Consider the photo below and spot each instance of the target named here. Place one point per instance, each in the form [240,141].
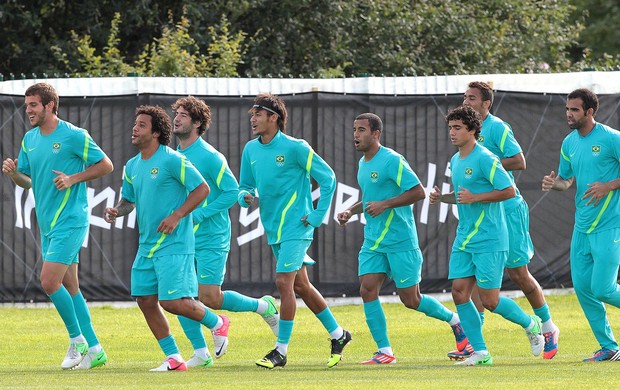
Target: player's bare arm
[408,197]
[344,216]
[9,168]
[467,197]
[514,163]
[122,208]
[196,197]
[103,167]
[437,197]
[554,182]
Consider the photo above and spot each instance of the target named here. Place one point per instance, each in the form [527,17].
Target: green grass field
[33,343]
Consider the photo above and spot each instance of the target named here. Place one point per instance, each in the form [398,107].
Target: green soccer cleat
[92,360]
[337,347]
[537,340]
[477,359]
[197,361]
[271,315]
[273,359]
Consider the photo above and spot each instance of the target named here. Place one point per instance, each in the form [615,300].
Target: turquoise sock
[285,331]
[83,315]
[193,332]
[168,345]
[377,324]
[64,305]
[470,321]
[543,312]
[481,314]
[327,319]
[432,308]
[233,301]
[508,309]
[210,319]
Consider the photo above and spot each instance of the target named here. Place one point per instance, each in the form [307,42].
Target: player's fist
[548,181]
[9,167]
[435,195]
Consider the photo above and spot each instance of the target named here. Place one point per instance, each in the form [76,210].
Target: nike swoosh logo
[172,291]
[516,261]
[203,276]
[218,353]
[618,240]
[288,264]
[50,253]
[31,149]
[252,163]
[133,177]
[404,280]
[573,154]
[483,280]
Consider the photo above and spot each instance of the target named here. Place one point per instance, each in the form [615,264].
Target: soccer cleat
[459,336]
[380,358]
[461,354]
[74,356]
[197,361]
[220,338]
[604,354]
[271,315]
[551,343]
[537,340]
[92,360]
[477,359]
[273,359]
[337,347]
[171,364]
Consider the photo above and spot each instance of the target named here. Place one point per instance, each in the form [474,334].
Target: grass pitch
[33,343]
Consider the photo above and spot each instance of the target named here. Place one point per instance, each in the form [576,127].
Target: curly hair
[485,90]
[274,105]
[160,121]
[468,116]
[589,99]
[46,92]
[198,110]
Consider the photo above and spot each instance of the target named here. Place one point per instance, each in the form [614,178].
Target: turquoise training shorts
[211,266]
[169,277]
[487,267]
[404,267]
[291,255]
[520,247]
[63,246]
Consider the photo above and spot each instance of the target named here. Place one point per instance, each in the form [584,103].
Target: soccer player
[590,156]
[212,230]
[480,247]
[497,136]
[389,188]
[164,187]
[55,160]
[279,167]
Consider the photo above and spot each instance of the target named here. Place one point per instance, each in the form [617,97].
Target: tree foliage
[309,38]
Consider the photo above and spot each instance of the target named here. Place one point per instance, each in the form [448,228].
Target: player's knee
[50,286]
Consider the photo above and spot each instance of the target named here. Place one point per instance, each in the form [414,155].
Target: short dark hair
[198,110]
[160,121]
[485,90]
[46,92]
[468,116]
[273,105]
[373,119]
[589,98]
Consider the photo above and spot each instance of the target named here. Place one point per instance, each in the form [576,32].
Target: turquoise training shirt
[68,149]
[158,186]
[211,219]
[497,136]
[386,176]
[280,171]
[593,158]
[482,226]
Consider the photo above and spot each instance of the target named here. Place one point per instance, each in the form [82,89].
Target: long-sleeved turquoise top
[280,172]
[211,220]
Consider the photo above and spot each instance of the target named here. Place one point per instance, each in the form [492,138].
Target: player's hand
[548,181]
[344,217]
[304,220]
[169,223]
[62,181]
[375,208]
[435,196]
[596,192]
[249,199]
[9,167]
[465,196]
[110,214]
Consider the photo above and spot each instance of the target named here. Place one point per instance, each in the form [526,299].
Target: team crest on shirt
[56,147]
[374,177]
[154,172]
[481,139]
[468,172]
[596,150]
[280,161]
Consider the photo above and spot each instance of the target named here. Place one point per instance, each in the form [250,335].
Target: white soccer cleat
[271,315]
[197,361]
[74,356]
[92,360]
[220,338]
[171,364]
[537,340]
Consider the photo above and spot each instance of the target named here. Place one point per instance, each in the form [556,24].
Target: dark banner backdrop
[414,126]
